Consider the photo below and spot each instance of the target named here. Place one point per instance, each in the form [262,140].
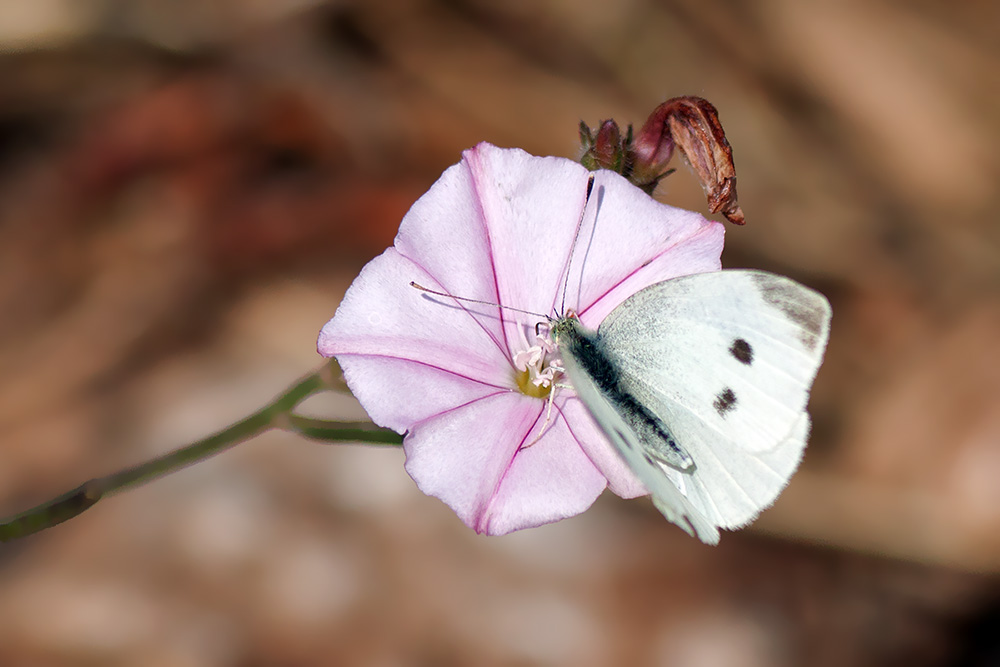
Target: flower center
[534,373]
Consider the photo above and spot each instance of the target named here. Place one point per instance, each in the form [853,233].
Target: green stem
[328,431]
[278,413]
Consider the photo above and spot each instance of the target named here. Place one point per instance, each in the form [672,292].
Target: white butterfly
[701,384]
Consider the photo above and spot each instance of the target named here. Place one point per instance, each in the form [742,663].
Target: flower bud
[605,148]
[652,149]
[691,124]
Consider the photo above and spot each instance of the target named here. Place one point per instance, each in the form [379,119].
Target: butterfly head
[564,327]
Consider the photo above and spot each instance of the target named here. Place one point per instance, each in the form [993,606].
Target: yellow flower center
[525,383]
[532,371]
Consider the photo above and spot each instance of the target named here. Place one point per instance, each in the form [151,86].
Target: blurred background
[187,188]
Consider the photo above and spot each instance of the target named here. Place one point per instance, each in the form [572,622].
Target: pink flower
[467,383]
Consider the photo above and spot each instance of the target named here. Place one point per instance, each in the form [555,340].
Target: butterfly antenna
[468,300]
[576,237]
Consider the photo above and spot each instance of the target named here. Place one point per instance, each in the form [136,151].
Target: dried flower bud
[692,125]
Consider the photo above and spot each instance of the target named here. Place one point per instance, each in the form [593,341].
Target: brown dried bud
[692,125]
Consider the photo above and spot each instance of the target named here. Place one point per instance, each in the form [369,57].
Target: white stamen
[535,360]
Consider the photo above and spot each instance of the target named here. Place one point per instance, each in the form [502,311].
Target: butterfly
[701,384]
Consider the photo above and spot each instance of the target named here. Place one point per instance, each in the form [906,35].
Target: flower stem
[329,431]
[277,414]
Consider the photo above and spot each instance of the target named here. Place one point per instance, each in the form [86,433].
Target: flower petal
[417,391]
[551,480]
[472,459]
[531,207]
[445,234]
[460,455]
[630,242]
[591,439]
[381,315]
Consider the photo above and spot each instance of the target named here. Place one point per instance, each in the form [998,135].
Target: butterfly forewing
[713,345]
[723,362]
[726,359]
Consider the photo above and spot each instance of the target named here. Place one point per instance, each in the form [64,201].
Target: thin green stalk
[85,496]
[276,414]
[329,431]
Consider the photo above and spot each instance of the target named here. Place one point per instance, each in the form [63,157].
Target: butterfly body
[587,349]
[701,384]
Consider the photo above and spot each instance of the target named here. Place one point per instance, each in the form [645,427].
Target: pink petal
[592,441]
[445,234]
[472,459]
[634,243]
[531,207]
[381,315]
[551,480]
[460,455]
[417,391]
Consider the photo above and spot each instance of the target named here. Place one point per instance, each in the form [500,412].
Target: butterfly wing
[666,494]
[726,360]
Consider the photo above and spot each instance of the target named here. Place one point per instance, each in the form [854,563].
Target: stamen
[536,374]
[527,358]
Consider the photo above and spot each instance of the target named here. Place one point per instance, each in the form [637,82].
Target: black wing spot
[742,351]
[725,402]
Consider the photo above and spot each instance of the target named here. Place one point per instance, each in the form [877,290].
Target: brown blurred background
[186,189]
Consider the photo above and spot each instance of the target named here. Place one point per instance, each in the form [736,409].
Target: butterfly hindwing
[668,498]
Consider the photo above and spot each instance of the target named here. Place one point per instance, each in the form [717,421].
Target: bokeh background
[187,188]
